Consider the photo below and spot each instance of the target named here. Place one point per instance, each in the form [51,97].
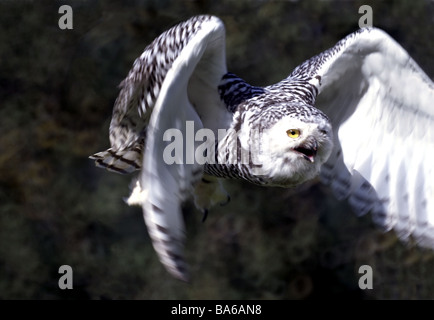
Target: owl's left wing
[381,105]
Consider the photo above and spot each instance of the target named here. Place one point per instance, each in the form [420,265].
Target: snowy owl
[360,115]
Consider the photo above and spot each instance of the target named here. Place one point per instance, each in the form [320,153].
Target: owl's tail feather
[119,161]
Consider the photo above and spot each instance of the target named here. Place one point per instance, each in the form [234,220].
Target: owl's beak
[308,149]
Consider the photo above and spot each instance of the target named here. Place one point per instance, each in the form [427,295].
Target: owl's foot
[205,215]
[209,192]
[138,195]
[228,199]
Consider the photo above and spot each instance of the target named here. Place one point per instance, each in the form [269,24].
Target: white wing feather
[381,105]
[188,93]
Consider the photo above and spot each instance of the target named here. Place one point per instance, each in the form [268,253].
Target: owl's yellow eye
[293,133]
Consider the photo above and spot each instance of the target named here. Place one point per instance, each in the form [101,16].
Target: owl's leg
[209,192]
[138,195]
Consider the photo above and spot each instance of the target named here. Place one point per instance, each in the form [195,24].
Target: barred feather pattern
[233,90]
[259,108]
[309,68]
[138,94]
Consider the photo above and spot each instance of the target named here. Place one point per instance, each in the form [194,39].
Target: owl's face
[293,150]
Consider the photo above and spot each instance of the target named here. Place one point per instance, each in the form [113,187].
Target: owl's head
[293,150]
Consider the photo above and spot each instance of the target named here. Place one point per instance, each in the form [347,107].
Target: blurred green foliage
[57,89]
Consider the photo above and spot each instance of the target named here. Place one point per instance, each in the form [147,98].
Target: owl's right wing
[170,93]
[381,104]
[187,101]
[188,93]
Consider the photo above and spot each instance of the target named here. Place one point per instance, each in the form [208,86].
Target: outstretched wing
[188,93]
[381,105]
[187,101]
[170,93]
[141,88]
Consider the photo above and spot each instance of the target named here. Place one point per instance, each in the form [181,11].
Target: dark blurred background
[57,89]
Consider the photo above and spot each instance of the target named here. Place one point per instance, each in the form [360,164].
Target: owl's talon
[228,199]
[205,215]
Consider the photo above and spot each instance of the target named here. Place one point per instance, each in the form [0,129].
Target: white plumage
[376,108]
[385,133]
